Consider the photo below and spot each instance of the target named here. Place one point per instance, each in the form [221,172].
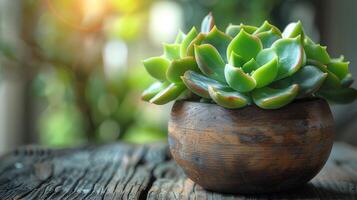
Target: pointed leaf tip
[238,79]
[210,62]
[266,73]
[269,98]
[316,51]
[157,67]
[170,93]
[291,55]
[198,83]
[178,67]
[228,98]
[153,90]
[207,23]
[293,30]
[187,41]
[245,45]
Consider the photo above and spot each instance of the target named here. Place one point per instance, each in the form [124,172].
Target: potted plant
[251,112]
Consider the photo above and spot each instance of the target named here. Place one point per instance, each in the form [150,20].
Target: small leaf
[228,98]
[266,73]
[309,78]
[347,81]
[341,96]
[236,60]
[293,30]
[210,62]
[339,59]
[245,45]
[198,83]
[291,54]
[266,26]
[250,66]
[219,40]
[178,67]
[179,38]
[265,56]
[269,98]
[187,41]
[153,90]
[172,51]
[197,41]
[233,30]
[207,23]
[170,93]
[316,52]
[238,80]
[339,68]
[157,67]
[332,81]
[268,38]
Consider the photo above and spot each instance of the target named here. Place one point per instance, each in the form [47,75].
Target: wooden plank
[122,171]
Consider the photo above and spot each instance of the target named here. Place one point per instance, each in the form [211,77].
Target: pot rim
[305,99]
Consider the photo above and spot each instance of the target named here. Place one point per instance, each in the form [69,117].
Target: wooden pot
[251,150]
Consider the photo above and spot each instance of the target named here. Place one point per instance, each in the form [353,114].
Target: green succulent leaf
[179,38]
[245,45]
[340,96]
[238,79]
[332,81]
[198,83]
[172,51]
[266,73]
[339,59]
[291,54]
[153,90]
[270,98]
[265,56]
[316,52]
[228,98]
[293,30]
[187,41]
[207,23]
[210,62]
[347,81]
[266,26]
[268,37]
[250,66]
[197,41]
[233,30]
[236,60]
[219,40]
[157,67]
[178,67]
[170,93]
[309,78]
[247,64]
[339,68]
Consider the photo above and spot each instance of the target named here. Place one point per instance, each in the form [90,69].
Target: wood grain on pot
[251,149]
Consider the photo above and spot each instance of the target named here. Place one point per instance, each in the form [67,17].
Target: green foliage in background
[61,56]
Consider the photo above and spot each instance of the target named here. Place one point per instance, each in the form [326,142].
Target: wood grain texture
[122,171]
[251,150]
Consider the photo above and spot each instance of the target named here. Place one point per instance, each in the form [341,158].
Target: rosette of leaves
[246,65]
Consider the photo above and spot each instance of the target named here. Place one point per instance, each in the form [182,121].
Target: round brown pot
[251,150]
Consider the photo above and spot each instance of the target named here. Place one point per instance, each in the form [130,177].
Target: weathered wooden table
[123,171]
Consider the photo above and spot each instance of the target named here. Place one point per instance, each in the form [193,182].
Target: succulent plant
[246,65]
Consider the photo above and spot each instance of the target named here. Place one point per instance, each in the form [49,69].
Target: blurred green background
[70,71]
